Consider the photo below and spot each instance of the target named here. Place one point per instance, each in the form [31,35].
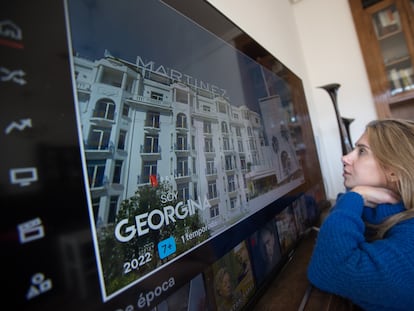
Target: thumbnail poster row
[231,281]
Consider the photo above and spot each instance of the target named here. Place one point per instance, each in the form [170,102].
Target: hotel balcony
[102,119]
[101,151]
[151,103]
[181,148]
[150,152]
[182,174]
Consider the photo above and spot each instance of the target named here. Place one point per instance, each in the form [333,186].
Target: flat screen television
[154,157]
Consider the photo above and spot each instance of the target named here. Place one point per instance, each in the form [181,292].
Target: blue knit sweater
[374,275]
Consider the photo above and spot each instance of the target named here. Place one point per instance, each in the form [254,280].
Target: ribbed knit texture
[374,275]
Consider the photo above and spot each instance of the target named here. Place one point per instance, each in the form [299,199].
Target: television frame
[66,161]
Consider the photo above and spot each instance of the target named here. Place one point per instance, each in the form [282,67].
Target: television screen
[146,145]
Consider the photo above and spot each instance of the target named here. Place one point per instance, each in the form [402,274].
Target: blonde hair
[392,143]
[221,273]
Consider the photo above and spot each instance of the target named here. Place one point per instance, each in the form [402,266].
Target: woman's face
[268,242]
[226,288]
[361,167]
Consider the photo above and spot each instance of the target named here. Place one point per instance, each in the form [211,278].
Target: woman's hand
[375,195]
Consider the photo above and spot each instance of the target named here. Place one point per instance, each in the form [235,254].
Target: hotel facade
[142,124]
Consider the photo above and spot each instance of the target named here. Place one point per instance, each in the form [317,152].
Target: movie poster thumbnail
[301,216]
[265,250]
[315,199]
[190,297]
[230,280]
[286,228]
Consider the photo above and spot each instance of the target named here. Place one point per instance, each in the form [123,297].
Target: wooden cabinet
[385,31]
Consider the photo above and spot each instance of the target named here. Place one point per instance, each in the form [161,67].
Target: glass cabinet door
[394,49]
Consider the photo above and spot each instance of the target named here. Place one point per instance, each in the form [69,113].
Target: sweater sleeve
[368,273]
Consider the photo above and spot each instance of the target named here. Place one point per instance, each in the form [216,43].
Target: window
[194,161]
[210,170]
[238,131]
[125,110]
[233,202]
[181,121]
[113,206]
[240,146]
[183,192]
[182,142]
[99,138]
[207,127]
[228,163]
[212,190]
[148,168]
[129,84]
[105,109]
[151,144]
[255,159]
[214,211]
[117,172]
[222,107]
[153,119]
[208,145]
[195,191]
[96,170]
[224,127]
[121,139]
[111,77]
[252,144]
[231,183]
[181,96]
[249,131]
[243,165]
[157,96]
[182,166]
[206,108]
[226,144]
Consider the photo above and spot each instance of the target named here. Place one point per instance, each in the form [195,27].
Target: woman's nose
[346,159]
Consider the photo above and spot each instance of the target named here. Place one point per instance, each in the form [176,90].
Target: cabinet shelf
[389,34]
[385,30]
[397,61]
[401,98]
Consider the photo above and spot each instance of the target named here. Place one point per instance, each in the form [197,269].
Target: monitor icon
[23,176]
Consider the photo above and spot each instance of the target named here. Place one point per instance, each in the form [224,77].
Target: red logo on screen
[10,35]
[153,180]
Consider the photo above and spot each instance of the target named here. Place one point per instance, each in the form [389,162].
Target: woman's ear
[391,176]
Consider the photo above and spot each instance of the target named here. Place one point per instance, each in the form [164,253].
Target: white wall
[316,39]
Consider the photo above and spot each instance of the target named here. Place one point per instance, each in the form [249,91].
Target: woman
[228,297]
[365,247]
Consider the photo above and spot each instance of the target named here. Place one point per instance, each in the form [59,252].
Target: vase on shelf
[332,90]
